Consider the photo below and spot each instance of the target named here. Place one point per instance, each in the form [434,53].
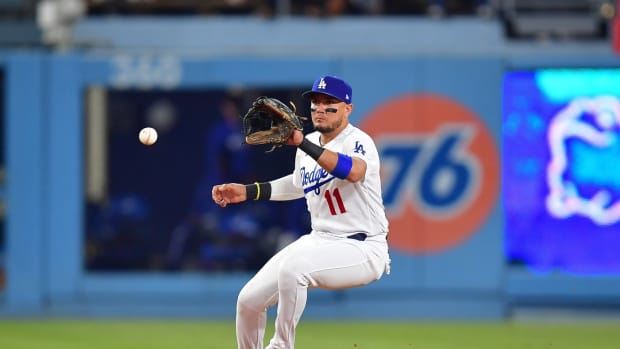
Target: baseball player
[337,171]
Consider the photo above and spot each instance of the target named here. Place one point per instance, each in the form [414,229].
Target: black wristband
[258,191]
[311,149]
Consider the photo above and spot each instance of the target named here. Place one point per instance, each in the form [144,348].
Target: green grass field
[98,334]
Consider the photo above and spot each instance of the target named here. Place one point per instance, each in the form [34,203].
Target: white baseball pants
[312,261]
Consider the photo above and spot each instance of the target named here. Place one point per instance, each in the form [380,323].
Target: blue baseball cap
[332,86]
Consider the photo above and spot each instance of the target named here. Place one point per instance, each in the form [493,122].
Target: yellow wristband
[257,191]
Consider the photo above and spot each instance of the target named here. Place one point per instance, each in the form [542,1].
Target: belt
[358,236]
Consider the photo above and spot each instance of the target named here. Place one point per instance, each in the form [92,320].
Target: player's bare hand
[296,137]
[229,193]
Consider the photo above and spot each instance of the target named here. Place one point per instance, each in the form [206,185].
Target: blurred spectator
[224,148]
[331,8]
[209,238]
[310,8]
[179,7]
[434,8]
[456,7]
[237,7]
[405,7]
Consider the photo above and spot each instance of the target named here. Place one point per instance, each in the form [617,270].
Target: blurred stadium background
[498,122]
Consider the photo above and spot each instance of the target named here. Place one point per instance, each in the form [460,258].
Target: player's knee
[246,301]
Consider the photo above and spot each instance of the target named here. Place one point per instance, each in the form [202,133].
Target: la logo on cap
[322,85]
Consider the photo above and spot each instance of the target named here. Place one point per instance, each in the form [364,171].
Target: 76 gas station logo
[434,171]
[440,170]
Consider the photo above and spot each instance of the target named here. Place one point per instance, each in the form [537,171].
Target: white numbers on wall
[146,71]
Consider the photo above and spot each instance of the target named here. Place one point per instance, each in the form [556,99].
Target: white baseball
[148,136]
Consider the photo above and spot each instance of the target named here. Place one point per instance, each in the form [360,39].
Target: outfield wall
[457,270]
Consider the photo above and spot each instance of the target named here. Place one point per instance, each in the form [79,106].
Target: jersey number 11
[330,202]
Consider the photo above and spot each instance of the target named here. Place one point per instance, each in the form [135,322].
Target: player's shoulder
[359,143]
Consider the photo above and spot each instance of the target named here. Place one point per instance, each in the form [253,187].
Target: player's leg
[328,264]
[260,293]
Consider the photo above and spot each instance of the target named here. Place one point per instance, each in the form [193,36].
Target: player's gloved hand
[269,121]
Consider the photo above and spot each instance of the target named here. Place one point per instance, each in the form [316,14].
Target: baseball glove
[269,121]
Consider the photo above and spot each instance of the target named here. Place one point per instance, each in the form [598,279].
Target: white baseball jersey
[337,206]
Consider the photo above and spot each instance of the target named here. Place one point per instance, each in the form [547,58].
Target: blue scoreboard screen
[561,169]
